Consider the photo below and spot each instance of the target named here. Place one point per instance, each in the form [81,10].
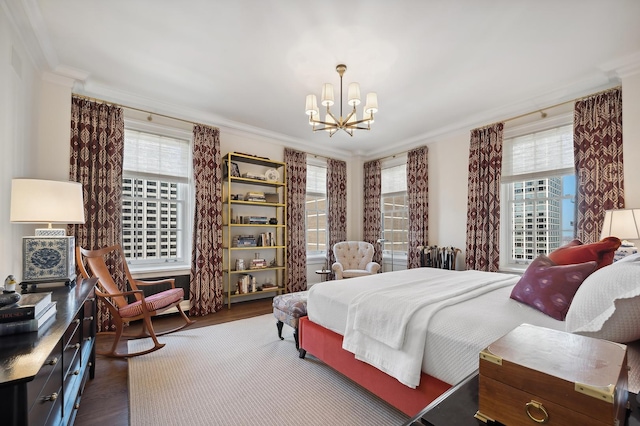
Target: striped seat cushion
[154,302]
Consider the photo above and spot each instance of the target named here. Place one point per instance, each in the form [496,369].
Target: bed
[456,324]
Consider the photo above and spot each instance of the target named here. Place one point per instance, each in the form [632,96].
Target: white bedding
[457,330]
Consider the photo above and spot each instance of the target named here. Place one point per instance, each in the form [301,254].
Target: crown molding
[29,26]
[624,67]
[107,94]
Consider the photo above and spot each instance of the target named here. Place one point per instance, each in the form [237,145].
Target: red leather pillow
[550,288]
[576,252]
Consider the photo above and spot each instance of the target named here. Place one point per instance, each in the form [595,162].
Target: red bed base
[327,346]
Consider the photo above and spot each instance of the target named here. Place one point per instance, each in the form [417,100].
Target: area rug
[241,373]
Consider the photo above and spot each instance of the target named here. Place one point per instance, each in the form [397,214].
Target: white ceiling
[437,65]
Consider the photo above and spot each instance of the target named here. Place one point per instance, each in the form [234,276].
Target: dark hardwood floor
[105,400]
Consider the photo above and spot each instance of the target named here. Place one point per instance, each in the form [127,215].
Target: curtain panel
[483,203]
[336,205]
[97,149]
[597,141]
[372,226]
[418,200]
[296,168]
[206,283]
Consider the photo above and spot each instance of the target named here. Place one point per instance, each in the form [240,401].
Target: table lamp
[624,224]
[49,255]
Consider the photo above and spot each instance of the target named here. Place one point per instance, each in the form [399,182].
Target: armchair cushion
[354,259]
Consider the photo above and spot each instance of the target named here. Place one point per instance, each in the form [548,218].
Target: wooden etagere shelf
[254,224]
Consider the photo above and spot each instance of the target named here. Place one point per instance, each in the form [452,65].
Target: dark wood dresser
[43,373]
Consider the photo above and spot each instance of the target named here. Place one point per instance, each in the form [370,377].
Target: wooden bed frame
[326,345]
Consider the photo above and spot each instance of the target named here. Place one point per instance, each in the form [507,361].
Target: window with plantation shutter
[156,201]
[538,194]
[316,208]
[395,208]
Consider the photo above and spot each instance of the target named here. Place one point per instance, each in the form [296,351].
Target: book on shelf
[244,241]
[28,307]
[25,326]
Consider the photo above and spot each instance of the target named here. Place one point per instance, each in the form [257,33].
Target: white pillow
[630,258]
[607,304]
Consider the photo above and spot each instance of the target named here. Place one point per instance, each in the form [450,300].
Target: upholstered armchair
[354,259]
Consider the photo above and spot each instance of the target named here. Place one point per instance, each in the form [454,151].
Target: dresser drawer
[48,392]
[38,385]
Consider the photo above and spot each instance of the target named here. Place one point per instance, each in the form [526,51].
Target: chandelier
[348,123]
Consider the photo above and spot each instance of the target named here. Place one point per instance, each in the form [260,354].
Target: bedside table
[458,405]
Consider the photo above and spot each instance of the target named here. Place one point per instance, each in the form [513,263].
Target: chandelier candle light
[349,123]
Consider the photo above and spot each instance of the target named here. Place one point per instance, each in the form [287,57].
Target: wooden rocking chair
[122,311]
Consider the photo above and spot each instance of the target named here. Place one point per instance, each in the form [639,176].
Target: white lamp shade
[327,94]
[623,223]
[46,201]
[354,94]
[311,105]
[372,103]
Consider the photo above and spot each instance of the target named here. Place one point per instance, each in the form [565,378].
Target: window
[156,197]
[316,209]
[395,210]
[538,194]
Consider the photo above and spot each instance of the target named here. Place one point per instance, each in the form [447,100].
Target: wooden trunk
[537,375]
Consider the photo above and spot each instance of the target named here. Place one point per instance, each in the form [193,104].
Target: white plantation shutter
[157,156]
[538,155]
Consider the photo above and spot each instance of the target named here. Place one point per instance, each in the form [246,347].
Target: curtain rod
[102,101]
[541,110]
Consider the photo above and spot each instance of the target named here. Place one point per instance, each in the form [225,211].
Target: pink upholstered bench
[288,308]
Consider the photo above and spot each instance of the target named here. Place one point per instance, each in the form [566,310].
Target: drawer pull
[76,346]
[76,321]
[91,299]
[89,318]
[537,409]
[90,364]
[75,373]
[76,406]
[51,397]
[53,361]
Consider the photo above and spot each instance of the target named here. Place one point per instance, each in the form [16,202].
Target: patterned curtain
[296,167]
[483,204]
[336,205]
[372,227]
[206,285]
[97,149]
[597,145]
[418,200]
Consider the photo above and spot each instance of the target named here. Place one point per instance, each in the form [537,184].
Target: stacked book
[244,241]
[255,196]
[32,312]
[255,220]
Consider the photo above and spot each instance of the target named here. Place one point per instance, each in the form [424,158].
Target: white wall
[631,138]
[448,180]
[19,91]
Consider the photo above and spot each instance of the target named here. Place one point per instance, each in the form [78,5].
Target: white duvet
[423,319]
